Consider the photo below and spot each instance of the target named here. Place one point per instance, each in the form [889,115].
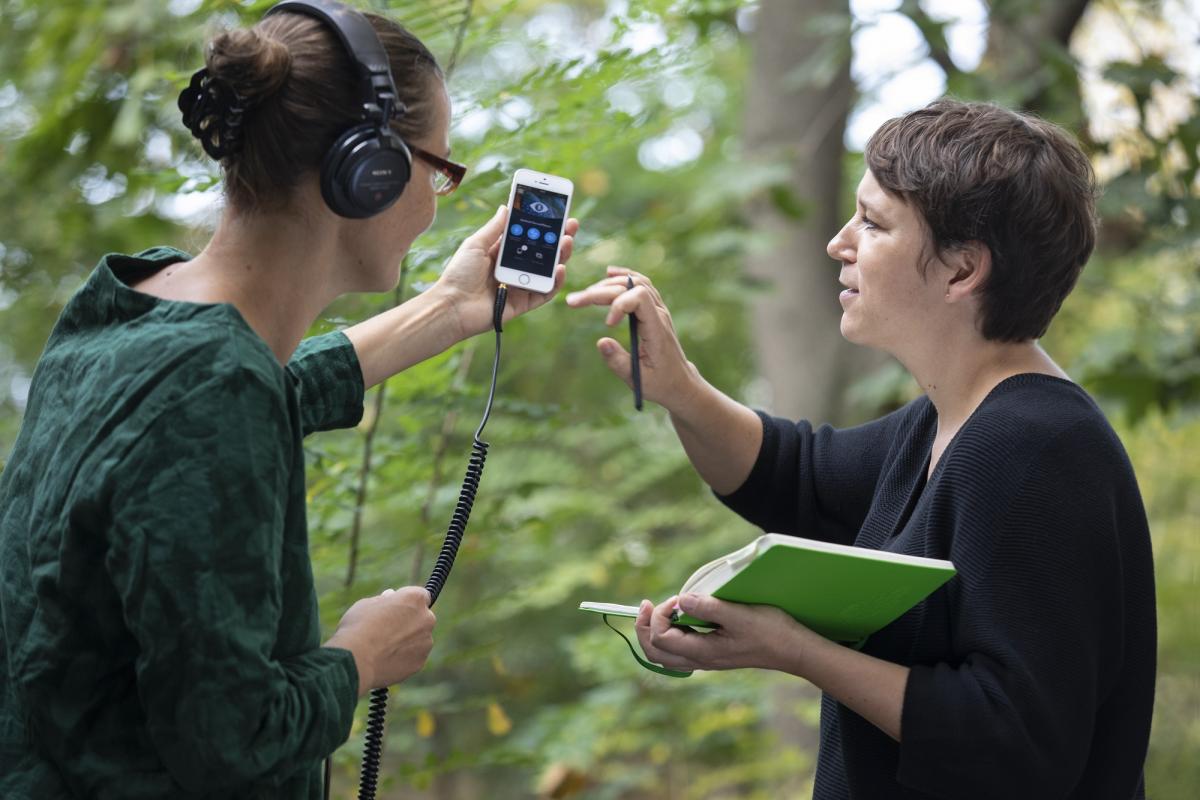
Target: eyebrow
[866,207]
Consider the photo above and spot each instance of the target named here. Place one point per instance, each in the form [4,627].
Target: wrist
[464,312]
[694,394]
[365,678]
[445,306]
[799,651]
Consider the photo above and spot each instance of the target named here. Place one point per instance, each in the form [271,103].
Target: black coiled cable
[373,744]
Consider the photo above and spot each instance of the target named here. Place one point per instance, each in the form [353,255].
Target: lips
[849,293]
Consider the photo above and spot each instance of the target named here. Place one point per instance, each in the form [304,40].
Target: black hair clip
[213,112]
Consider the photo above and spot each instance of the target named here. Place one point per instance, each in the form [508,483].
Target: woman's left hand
[469,285]
[750,636]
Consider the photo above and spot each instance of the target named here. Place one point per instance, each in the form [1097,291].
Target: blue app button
[550,238]
[535,234]
[516,230]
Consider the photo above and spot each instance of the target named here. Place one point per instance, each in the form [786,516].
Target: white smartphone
[538,205]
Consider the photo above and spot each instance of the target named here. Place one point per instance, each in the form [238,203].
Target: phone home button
[524,279]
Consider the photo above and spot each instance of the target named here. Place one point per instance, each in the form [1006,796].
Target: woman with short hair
[1031,673]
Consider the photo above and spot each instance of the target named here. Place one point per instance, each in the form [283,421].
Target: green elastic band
[670,673]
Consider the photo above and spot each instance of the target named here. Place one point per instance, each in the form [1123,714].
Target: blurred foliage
[583,498]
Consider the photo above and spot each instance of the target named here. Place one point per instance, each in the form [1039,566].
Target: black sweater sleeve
[817,483]
[1037,627]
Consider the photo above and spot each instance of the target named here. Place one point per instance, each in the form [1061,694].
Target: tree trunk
[795,317]
[802,357]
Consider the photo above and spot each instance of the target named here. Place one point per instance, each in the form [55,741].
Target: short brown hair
[300,89]
[1018,184]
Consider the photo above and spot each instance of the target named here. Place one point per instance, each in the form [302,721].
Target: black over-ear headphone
[367,168]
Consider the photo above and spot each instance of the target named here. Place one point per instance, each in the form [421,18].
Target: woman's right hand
[390,636]
[668,378]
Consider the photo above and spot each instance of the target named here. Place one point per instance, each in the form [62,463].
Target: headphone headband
[367,167]
[362,44]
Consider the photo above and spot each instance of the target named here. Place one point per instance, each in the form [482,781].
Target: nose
[840,248]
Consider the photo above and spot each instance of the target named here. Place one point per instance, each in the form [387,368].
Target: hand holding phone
[538,205]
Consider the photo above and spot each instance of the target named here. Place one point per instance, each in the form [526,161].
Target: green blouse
[158,622]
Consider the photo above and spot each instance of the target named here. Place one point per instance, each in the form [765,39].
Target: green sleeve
[326,371]
[201,515]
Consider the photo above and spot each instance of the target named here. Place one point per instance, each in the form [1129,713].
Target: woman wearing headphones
[1031,673]
[159,621]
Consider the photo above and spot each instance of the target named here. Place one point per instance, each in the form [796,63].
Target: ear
[969,268]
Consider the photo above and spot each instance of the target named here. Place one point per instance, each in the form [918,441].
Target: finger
[622,277]
[572,227]
[531,300]
[678,645]
[566,248]
[617,359]
[645,609]
[644,634]
[636,301]
[613,269]
[598,294]
[673,645]
[660,618]
[416,595]
[661,656]
[642,623]
[488,236]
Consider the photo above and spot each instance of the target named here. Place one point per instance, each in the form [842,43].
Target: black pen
[633,352]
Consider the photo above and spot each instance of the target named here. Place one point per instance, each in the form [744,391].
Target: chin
[855,335]
[388,281]
[380,276]
[848,331]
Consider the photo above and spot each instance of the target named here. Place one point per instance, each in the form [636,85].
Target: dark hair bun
[272,99]
[252,65]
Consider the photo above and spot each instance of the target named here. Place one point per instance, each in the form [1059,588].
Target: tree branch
[364,474]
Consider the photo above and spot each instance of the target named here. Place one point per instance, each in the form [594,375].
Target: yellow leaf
[425,724]
[594,182]
[498,722]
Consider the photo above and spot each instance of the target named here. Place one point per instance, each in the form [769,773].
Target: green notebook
[843,593]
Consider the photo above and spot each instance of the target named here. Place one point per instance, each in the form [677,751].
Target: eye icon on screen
[516,230]
[535,234]
[539,208]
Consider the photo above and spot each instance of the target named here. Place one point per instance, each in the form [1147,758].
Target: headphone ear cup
[331,165]
[365,171]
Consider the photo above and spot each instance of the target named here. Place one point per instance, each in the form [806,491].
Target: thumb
[616,358]
[489,234]
[705,607]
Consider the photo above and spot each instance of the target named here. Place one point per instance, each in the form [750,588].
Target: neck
[958,372]
[276,269]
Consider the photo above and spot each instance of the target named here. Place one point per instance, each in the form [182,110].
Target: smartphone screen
[535,223]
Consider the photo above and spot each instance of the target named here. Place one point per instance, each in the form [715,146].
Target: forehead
[882,202]
[870,192]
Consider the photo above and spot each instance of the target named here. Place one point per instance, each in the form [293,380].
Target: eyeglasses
[447,174]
